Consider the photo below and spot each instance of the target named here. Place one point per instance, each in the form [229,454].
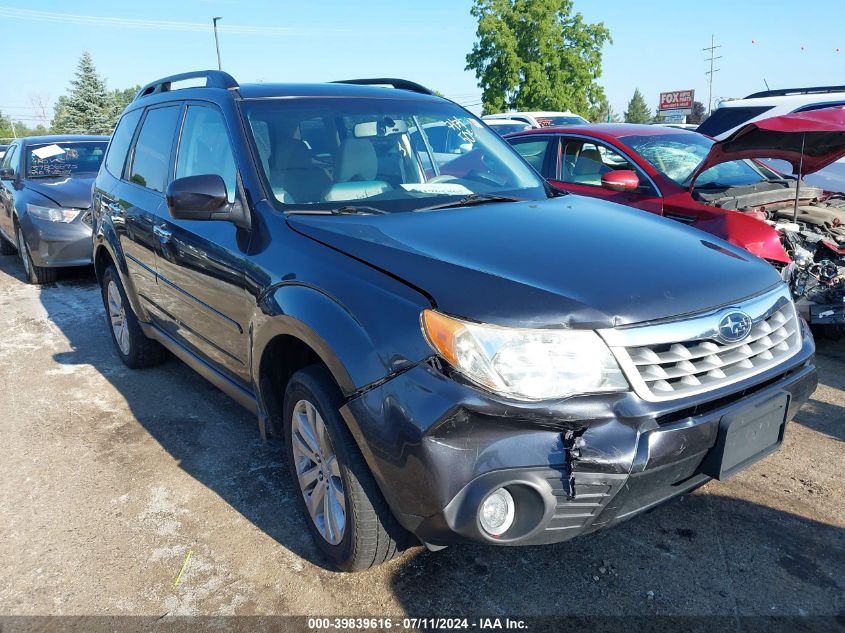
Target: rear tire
[36,275]
[6,247]
[132,345]
[350,520]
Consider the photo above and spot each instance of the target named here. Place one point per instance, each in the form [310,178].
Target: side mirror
[620,180]
[198,198]
[7,173]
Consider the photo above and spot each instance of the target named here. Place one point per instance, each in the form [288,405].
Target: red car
[719,187]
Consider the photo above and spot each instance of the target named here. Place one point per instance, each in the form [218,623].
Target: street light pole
[217,42]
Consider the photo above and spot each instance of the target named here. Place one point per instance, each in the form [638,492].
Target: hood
[821,134]
[573,260]
[65,192]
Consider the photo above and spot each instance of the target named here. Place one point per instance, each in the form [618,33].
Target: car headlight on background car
[527,364]
[52,214]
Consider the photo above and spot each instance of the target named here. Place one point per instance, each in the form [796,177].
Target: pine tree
[88,109]
[638,110]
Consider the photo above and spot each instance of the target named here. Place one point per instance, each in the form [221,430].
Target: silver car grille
[675,359]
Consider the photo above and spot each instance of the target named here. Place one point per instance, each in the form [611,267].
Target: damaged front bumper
[438,447]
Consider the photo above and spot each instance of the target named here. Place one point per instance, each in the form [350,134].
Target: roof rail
[213,79]
[399,84]
[796,91]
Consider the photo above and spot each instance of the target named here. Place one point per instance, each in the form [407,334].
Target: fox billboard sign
[677,100]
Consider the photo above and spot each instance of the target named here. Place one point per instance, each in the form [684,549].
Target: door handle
[163,234]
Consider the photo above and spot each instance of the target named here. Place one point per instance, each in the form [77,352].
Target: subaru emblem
[734,326]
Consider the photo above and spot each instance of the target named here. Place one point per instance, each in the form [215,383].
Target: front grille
[672,360]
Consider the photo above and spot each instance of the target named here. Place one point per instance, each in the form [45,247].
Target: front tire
[132,345]
[343,507]
[36,275]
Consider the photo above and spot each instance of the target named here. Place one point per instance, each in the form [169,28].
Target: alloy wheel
[318,472]
[117,316]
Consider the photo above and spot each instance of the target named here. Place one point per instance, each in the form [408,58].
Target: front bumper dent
[438,448]
[55,244]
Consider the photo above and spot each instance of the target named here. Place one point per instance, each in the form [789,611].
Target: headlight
[522,363]
[53,214]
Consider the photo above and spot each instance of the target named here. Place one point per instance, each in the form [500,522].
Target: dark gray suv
[452,350]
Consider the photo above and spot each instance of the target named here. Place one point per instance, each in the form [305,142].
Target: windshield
[676,156]
[509,128]
[555,121]
[62,160]
[388,154]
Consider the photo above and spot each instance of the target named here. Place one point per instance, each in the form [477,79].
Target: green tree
[5,128]
[605,114]
[536,55]
[119,100]
[88,108]
[699,113]
[638,110]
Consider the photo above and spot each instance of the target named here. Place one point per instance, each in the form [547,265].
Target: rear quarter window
[121,139]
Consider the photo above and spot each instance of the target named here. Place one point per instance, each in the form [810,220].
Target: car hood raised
[65,192]
[818,136]
[576,261]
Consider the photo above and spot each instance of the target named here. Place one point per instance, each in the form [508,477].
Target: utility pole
[712,48]
[217,42]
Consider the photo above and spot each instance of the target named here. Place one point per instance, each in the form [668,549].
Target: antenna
[712,48]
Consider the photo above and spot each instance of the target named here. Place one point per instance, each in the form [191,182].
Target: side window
[152,149]
[10,160]
[534,151]
[119,146]
[584,162]
[205,148]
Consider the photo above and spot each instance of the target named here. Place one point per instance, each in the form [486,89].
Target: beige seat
[296,174]
[588,168]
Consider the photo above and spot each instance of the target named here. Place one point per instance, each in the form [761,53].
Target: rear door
[137,201]
[201,262]
[541,152]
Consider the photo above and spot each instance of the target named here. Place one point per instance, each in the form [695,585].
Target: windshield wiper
[344,210]
[471,199]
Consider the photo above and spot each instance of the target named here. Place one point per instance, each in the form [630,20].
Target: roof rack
[796,91]
[213,79]
[399,84]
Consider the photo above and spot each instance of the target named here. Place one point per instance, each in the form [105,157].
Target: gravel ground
[109,478]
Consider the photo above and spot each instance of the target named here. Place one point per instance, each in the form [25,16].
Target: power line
[73,18]
[712,48]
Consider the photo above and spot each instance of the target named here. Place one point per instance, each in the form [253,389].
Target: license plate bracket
[747,435]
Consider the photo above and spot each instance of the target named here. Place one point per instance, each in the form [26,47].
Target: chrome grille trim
[685,357]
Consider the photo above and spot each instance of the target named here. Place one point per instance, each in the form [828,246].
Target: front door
[201,262]
[583,162]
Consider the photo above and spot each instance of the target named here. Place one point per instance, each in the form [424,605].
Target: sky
[657,46]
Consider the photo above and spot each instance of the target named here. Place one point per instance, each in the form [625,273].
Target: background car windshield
[677,156]
[395,155]
[509,128]
[553,121]
[60,160]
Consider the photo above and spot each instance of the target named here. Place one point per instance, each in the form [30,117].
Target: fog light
[496,512]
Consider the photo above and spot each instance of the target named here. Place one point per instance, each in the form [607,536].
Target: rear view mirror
[620,180]
[198,198]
